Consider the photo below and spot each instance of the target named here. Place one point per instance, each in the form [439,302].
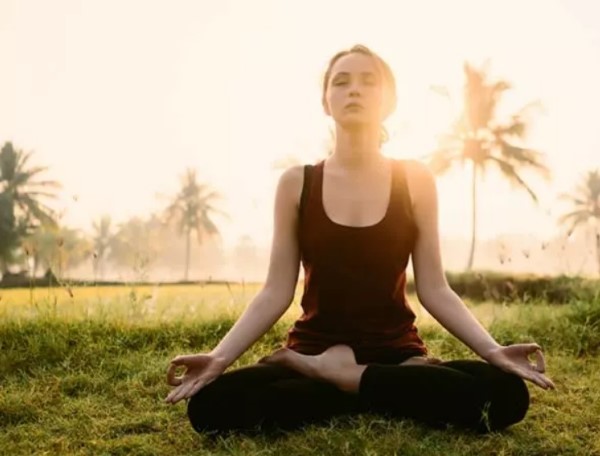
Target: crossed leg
[289,393]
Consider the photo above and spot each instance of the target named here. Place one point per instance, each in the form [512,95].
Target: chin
[356,122]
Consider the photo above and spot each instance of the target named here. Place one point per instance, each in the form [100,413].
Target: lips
[354,105]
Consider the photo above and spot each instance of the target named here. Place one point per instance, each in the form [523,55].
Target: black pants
[262,397]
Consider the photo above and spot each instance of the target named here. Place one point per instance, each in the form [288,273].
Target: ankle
[348,379]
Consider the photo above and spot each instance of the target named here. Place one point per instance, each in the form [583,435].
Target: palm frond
[35,194]
[517,128]
[481,97]
[576,217]
[524,156]
[35,211]
[22,159]
[510,172]
[525,111]
[575,199]
[192,207]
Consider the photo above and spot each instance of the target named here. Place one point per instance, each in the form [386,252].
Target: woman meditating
[352,221]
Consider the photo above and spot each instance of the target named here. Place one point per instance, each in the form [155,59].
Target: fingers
[550,384]
[180,393]
[539,368]
[171,378]
[198,386]
[181,360]
[187,390]
[540,362]
[543,381]
[537,378]
[175,395]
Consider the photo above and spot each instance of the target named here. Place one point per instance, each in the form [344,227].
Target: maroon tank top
[355,278]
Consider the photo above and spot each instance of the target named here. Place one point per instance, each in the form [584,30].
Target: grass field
[83,373]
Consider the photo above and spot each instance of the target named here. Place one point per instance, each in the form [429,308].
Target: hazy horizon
[521,254]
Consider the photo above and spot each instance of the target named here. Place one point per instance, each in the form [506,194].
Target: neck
[358,148]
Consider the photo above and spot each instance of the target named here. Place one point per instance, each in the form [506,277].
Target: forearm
[451,312]
[260,315]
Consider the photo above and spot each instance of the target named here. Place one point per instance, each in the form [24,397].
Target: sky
[118,98]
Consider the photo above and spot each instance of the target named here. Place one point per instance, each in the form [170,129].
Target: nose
[354,91]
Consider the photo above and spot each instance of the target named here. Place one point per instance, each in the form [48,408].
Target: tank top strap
[307,189]
[401,202]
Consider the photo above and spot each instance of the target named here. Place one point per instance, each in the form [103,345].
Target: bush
[490,286]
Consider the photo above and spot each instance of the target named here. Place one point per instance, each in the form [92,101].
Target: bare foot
[336,365]
[305,364]
[420,360]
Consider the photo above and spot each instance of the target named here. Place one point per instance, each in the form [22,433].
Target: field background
[83,372]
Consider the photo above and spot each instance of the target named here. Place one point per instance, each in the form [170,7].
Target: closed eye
[369,79]
[340,80]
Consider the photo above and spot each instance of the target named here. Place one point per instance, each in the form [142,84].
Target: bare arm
[277,294]
[432,287]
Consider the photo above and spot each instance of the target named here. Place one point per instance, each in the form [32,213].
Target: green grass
[84,374]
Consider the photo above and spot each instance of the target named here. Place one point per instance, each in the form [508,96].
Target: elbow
[431,295]
[278,295]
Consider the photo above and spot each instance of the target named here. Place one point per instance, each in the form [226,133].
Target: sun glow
[231,87]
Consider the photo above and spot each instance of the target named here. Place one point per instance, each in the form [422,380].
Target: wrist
[489,350]
[221,357]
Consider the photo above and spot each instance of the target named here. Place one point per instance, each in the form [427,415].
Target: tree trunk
[99,265]
[95,266]
[598,248]
[187,253]
[35,266]
[473,218]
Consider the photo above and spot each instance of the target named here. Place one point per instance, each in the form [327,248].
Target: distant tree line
[33,240]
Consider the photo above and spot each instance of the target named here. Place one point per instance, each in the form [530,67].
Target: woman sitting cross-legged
[353,221]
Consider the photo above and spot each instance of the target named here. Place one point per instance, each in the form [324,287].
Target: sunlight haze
[118,98]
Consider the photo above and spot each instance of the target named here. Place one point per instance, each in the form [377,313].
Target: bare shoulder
[290,183]
[420,180]
[293,174]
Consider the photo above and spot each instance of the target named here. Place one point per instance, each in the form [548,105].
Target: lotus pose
[352,221]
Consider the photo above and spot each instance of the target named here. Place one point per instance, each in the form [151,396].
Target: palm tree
[102,240]
[18,181]
[479,138]
[192,210]
[56,248]
[136,244]
[21,195]
[586,207]
[10,233]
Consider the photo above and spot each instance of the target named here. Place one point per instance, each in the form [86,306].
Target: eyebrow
[345,73]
